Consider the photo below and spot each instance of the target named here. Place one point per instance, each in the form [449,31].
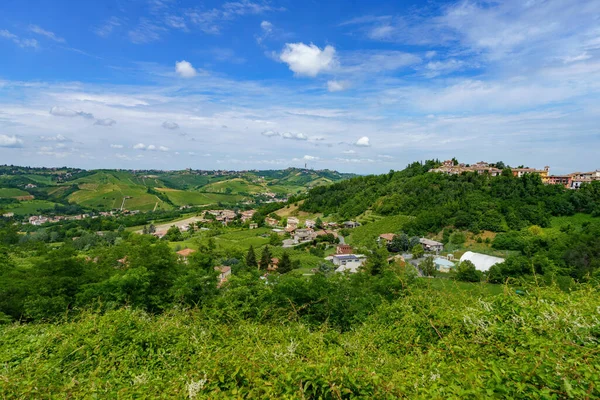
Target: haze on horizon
[249,84]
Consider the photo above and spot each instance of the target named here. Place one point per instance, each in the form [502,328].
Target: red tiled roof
[186,252]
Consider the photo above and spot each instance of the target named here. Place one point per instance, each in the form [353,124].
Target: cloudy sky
[364,86]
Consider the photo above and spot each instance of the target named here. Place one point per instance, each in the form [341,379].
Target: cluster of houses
[38,220]
[227,216]
[569,181]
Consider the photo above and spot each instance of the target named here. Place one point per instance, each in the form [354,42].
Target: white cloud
[294,136]
[363,142]
[581,57]
[150,147]
[170,125]
[184,69]
[10,141]
[349,152]
[270,133]
[50,35]
[385,156]
[145,32]
[58,111]
[337,86]
[436,68]
[105,122]
[211,21]
[108,27]
[266,26]
[17,40]
[266,31]
[116,146]
[371,62]
[308,60]
[57,138]
[176,22]
[310,158]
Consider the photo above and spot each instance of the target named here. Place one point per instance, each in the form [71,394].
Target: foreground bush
[427,344]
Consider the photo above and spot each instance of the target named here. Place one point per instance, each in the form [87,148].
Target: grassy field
[366,235]
[576,220]
[12,192]
[236,185]
[39,178]
[182,198]
[31,207]
[292,211]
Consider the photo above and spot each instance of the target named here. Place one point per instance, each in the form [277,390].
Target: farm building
[482,262]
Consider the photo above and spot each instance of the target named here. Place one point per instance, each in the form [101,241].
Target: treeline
[122,269]
[572,253]
[469,201]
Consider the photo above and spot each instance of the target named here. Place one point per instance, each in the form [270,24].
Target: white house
[482,262]
[348,262]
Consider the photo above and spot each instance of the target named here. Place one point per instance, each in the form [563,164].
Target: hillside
[27,191]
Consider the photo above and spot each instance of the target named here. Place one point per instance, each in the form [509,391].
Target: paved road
[342,239]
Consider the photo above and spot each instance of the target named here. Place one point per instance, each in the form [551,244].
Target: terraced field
[182,198]
[12,193]
[237,185]
[31,207]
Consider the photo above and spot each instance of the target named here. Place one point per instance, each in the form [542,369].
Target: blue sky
[361,86]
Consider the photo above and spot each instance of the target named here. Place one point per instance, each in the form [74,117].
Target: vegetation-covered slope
[541,345]
[471,201]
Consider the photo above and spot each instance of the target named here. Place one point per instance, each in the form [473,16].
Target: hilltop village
[573,180]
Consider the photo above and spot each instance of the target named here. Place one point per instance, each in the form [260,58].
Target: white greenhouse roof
[482,262]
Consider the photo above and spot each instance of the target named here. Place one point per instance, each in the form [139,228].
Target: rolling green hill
[151,189]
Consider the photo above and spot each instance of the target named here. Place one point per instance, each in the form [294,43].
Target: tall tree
[285,264]
[319,223]
[428,266]
[265,259]
[251,258]
[418,251]
[377,261]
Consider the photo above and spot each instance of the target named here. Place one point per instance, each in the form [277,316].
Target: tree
[174,234]
[319,223]
[265,259]
[275,240]
[399,243]
[467,272]
[428,266]
[418,251]
[151,228]
[285,264]
[251,258]
[377,261]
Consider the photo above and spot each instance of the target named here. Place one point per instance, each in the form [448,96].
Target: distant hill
[34,190]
